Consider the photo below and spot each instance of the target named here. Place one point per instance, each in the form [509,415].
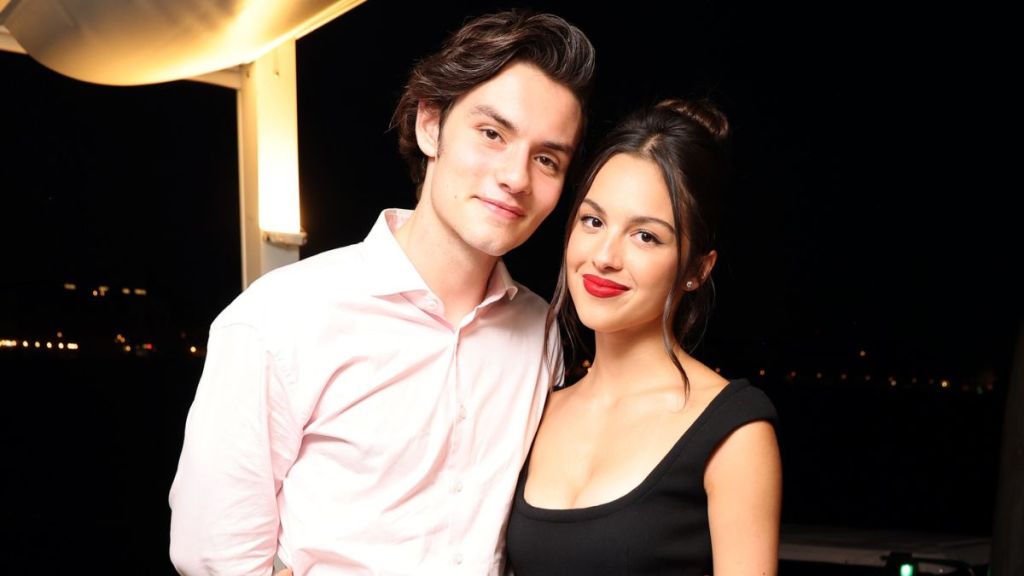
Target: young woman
[651,463]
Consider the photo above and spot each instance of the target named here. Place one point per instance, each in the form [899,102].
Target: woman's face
[621,257]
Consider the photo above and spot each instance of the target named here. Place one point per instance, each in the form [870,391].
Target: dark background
[867,215]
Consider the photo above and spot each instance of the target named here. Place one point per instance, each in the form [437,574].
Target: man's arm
[239,442]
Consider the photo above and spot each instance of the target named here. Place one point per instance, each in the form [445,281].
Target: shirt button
[462,413]
[430,303]
[457,487]
[457,558]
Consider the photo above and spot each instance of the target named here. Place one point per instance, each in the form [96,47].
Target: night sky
[866,206]
[867,211]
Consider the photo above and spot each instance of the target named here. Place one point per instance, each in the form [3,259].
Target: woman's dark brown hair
[685,140]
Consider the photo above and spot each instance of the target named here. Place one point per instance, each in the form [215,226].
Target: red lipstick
[602,287]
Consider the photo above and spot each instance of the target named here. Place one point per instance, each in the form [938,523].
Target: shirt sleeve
[239,443]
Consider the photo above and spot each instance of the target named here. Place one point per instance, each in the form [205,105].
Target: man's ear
[428,129]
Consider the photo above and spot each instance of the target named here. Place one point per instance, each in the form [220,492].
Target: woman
[652,462]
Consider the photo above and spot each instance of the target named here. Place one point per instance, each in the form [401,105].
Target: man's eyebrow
[507,124]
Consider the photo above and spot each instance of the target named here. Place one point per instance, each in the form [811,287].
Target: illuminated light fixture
[139,291]
[192,349]
[842,376]
[104,290]
[24,343]
[760,372]
[945,383]
[126,291]
[72,346]
[95,293]
[37,343]
[818,375]
[60,345]
[49,345]
[69,286]
[862,353]
[284,238]
[277,154]
[901,564]
[127,348]
[147,346]
[60,334]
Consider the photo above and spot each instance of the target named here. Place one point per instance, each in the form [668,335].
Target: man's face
[498,163]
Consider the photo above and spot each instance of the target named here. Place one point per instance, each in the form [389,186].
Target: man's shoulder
[291,289]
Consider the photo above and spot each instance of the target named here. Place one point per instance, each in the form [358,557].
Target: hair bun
[703,112]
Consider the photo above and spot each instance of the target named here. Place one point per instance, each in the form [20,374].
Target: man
[367,410]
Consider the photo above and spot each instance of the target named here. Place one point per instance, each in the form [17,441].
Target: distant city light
[24,343]
[867,377]
[60,334]
[126,291]
[147,346]
[842,376]
[818,375]
[119,339]
[945,383]
[72,346]
[49,345]
[60,345]
[95,293]
[8,343]
[863,353]
[104,290]
[69,286]
[760,372]
[37,344]
[139,291]
[127,348]
[718,369]
[192,349]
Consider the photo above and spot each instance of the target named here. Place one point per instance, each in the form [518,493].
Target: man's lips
[602,287]
[502,209]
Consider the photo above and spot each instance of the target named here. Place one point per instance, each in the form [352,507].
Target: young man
[367,410]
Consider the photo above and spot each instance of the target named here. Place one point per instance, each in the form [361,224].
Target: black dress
[659,527]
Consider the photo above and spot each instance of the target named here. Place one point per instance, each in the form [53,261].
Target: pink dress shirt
[342,423]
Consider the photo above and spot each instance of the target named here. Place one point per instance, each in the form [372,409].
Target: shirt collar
[391,272]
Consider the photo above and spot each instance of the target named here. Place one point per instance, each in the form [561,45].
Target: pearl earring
[689,284]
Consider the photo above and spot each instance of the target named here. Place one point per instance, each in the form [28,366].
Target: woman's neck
[629,363]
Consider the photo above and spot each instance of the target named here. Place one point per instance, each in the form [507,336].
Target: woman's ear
[707,263]
[428,129]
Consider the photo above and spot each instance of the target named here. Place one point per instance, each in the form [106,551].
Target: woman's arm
[743,480]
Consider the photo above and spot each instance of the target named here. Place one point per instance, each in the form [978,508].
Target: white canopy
[131,42]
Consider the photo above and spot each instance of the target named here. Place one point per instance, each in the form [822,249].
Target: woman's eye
[591,221]
[648,238]
[490,134]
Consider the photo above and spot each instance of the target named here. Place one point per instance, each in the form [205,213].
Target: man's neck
[458,274]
